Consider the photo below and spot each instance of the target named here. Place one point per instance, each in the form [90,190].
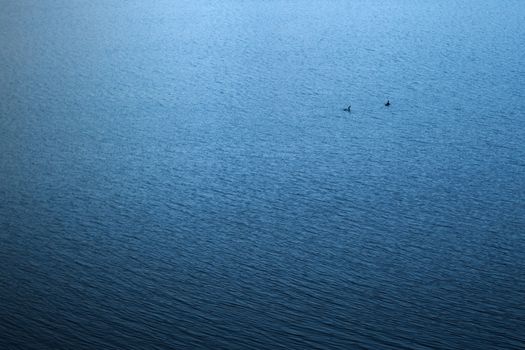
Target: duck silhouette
[387,103]
[348,109]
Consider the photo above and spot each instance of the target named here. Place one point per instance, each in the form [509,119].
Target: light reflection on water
[182,175]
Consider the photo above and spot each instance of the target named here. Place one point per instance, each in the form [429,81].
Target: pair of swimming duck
[349,108]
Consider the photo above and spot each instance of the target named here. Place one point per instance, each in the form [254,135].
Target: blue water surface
[181,174]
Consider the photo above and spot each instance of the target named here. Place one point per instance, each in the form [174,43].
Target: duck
[348,109]
[387,103]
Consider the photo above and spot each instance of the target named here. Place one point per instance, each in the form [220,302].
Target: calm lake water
[181,174]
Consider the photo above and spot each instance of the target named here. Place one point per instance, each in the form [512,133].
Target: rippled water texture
[181,174]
